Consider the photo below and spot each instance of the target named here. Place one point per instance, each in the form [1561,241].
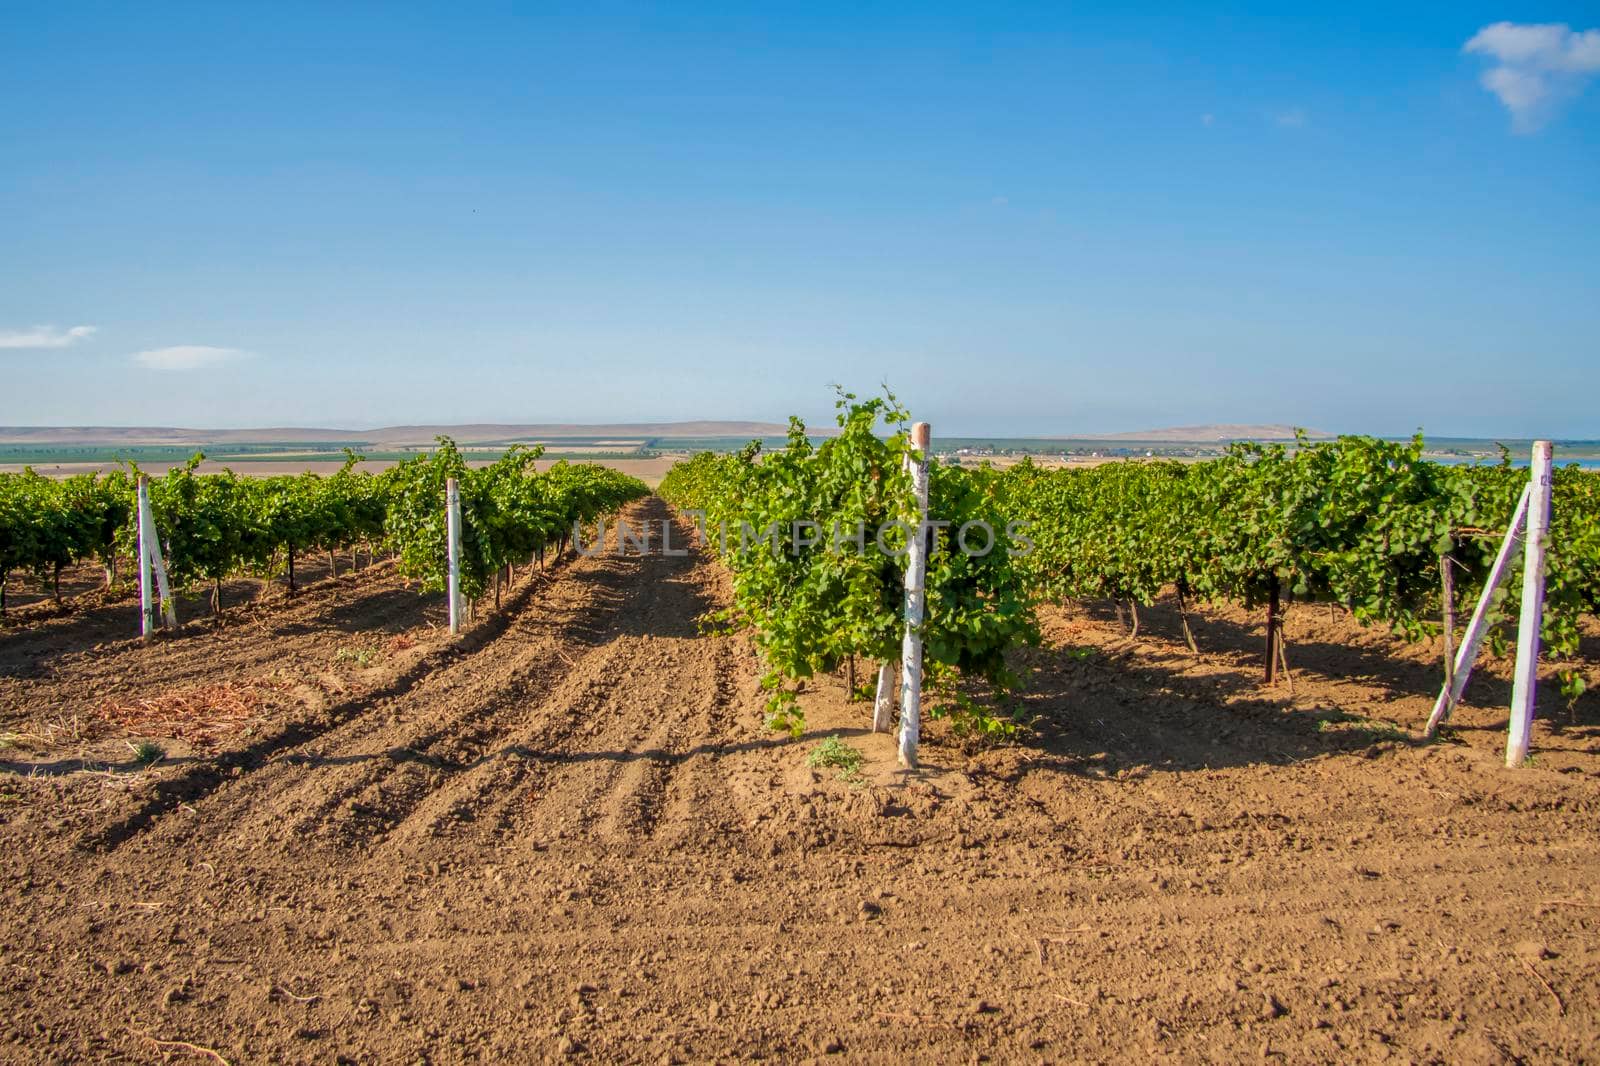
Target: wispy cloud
[1294,118]
[1537,67]
[44,337]
[1207,119]
[186,357]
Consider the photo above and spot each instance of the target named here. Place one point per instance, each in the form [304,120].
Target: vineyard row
[214,526]
[1396,539]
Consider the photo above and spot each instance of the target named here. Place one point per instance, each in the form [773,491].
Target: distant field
[643,456]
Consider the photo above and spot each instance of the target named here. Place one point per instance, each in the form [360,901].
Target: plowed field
[566,834]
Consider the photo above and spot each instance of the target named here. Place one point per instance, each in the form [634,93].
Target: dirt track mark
[454,745]
[600,749]
[357,784]
[258,789]
[375,598]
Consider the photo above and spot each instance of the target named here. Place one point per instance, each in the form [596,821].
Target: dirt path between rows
[566,834]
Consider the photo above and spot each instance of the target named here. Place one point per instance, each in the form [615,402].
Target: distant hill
[393,435]
[1206,434]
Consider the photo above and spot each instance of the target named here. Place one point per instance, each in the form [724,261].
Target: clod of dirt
[1271,1008]
[1532,950]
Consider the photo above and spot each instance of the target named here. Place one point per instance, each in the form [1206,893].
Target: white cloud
[1293,118]
[1537,66]
[44,337]
[186,357]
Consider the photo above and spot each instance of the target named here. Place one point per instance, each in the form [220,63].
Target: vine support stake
[1525,680]
[883,704]
[150,561]
[1478,624]
[452,494]
[147,601]
[916,579]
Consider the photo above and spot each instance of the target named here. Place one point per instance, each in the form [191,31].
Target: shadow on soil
[616,602]
[107,620]
[204,776]
[1140,705]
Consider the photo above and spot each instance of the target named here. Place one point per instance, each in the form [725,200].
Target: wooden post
[916,578]
[147,599]
[1478,624]
[1525,680]
[453,531]
[883,704]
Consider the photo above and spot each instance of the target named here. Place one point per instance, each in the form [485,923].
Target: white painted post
[150,561]
[883,705]
[169,609]
[1478,627]
[169,606]
[916,579]
[147,605]
[1525,680]
[453,530]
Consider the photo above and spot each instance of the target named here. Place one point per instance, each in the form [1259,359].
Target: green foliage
[48,524]
[835,753]
[1357,521]
[359,654]
[215,525]
[146,752]
[508,510]
[812,593]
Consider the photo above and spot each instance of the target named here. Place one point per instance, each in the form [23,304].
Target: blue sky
[1026,218]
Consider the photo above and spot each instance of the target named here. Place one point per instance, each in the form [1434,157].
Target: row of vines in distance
[1366,523]
[214,526]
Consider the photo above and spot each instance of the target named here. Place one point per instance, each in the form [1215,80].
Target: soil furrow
[568,835]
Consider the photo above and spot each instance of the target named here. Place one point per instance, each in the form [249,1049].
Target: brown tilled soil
[566,834]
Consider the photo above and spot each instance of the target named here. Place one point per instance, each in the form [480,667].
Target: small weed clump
[835,753]
[146,752]
[361,656]
[1374,728]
